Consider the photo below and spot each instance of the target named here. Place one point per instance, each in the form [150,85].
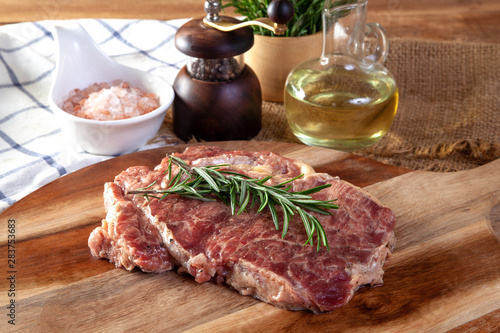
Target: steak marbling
[245,251]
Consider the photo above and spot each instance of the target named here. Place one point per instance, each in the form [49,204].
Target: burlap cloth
[448,117]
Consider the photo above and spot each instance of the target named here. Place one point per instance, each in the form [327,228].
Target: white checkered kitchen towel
[32,151]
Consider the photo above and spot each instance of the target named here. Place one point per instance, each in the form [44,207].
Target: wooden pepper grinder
[218,97]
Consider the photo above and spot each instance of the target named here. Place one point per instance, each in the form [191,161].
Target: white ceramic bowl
[81,63]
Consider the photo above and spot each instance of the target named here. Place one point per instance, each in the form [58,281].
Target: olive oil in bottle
[345,107]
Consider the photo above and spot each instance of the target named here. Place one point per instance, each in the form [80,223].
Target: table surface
[452,20]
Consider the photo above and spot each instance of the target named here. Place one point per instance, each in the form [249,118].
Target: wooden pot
[272,59]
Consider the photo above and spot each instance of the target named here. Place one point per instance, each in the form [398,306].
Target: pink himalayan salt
[104,102]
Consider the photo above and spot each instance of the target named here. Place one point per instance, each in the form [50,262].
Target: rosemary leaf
[246,199]
[274,216]
[307,224]
[264,200]
[243,193]
[287,214]
[207,178]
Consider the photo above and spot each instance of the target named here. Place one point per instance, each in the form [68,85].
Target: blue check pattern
[32,150]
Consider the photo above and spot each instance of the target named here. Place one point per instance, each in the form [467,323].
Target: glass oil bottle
[345,99]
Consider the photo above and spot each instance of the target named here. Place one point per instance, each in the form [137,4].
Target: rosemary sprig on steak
[240,191]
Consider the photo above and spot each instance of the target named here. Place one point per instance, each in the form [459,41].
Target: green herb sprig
[240,191]
[306,21]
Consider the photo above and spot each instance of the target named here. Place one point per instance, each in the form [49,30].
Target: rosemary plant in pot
[272,57]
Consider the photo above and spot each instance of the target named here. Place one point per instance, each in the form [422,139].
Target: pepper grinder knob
[280,11]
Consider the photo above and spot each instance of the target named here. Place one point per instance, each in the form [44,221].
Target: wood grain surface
[444,274]
[454,20]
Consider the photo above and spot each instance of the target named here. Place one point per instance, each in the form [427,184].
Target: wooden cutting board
[444,274]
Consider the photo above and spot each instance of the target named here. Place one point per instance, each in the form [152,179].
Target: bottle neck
[344,28]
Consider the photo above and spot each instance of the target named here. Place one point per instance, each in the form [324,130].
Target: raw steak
[245,251]
[126,237]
